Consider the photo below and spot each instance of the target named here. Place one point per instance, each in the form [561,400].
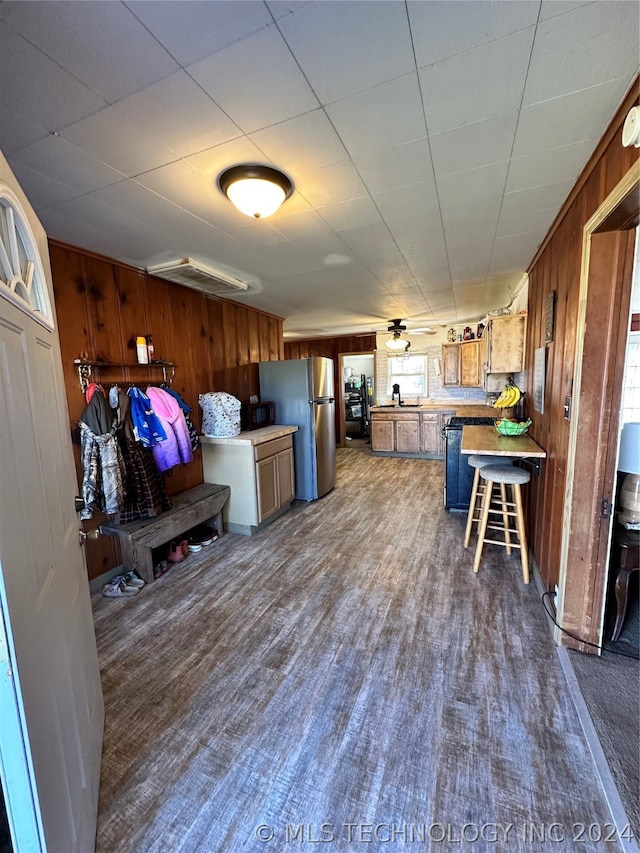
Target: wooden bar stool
[478,461]
[503,476]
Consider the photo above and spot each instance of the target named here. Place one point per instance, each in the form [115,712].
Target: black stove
[458,474]
[460,422]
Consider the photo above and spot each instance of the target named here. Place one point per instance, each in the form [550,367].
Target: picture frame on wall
[539,378]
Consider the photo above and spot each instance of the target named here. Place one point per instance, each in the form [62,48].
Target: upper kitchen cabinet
[471,364]
[462,364]
[505,344]
[450,364]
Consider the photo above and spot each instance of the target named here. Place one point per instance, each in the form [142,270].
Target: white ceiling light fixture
[256,191]
[397,343]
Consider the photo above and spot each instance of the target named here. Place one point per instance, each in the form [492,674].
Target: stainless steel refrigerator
[303,393]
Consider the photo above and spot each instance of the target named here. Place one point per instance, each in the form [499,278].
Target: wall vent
[198,276]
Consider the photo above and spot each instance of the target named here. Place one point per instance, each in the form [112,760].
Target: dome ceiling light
[397,343]
[256,191]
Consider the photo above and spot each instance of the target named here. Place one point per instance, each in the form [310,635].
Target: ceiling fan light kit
[257,191]
[397,343]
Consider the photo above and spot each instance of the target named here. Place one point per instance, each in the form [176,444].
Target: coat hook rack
[86,368]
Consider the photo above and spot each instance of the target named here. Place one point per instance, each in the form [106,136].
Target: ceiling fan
[397,342]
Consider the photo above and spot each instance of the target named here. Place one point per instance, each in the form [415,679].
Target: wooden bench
[138,538]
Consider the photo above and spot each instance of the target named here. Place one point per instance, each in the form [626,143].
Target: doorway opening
[356,390]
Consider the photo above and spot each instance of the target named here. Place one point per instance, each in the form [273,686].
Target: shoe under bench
[198,505]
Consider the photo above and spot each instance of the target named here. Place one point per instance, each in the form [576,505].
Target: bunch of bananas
[509,397]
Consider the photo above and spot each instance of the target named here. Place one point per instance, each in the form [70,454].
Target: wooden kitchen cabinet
[505,344]
[274,476]
[470,364]
[418,432]
[450,364]
[462,364]
[397,432]
[258,467]
[431,441]
[382,434]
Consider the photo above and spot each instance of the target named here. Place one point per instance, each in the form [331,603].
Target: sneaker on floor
[117,588]
[133,579]
[194,544]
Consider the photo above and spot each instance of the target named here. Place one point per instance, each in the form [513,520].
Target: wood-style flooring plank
[343,667]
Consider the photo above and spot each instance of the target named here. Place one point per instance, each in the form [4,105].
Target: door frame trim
[625,187]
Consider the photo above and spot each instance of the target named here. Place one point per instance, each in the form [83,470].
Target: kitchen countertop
[254,436]
[470,410]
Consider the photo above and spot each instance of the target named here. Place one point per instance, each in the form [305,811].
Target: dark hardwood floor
[342,676]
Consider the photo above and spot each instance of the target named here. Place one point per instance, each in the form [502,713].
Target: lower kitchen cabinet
[258,467]
[418,432]
[274,477]
[395,432]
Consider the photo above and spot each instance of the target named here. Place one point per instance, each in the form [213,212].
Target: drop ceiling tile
[256,81]
[370,241]
[257,234]
[586,47]
[378,118]
[331,184]
[84,235]
[37,87]
[282,8]
[325,36]
[525,221]
[553,8]
[548,167]
[483,83]
[418,200]
[411,234]
[432,267]
[110,220]
[537,198]
[17,131]
[515,251]
[475,187]
[148,206]
[193,191]
[474,145]
[59,160]
[441,30]
[41,190]
[80,37]
[350,214]
[396,167]
[205,29]
[306,142]
[305,225]
[567,119]
[120,142]
[178,114]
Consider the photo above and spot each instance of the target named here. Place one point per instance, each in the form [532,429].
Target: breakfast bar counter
[487,441]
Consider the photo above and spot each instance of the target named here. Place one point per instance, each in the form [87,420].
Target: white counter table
[257,465]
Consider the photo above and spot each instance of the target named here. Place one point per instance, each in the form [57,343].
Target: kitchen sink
[396,406]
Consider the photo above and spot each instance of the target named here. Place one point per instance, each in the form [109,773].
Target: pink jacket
[176,449]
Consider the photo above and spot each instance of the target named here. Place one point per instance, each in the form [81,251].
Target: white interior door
[51,733]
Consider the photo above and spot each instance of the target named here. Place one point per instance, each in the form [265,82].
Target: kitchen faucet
[396,390]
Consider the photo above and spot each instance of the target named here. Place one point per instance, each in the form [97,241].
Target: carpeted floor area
[342,676]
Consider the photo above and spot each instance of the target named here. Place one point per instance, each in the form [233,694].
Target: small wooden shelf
[87,368]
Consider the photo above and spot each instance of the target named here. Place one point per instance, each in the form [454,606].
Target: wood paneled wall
[556,268]
[215,344]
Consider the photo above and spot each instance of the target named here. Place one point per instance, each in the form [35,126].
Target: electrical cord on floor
[575,637]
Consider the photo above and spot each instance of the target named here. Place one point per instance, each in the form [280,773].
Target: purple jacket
[176,449]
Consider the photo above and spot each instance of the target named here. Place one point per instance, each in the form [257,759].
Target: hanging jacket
[186,409]
[176,449]
[146,426]
[102,465]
